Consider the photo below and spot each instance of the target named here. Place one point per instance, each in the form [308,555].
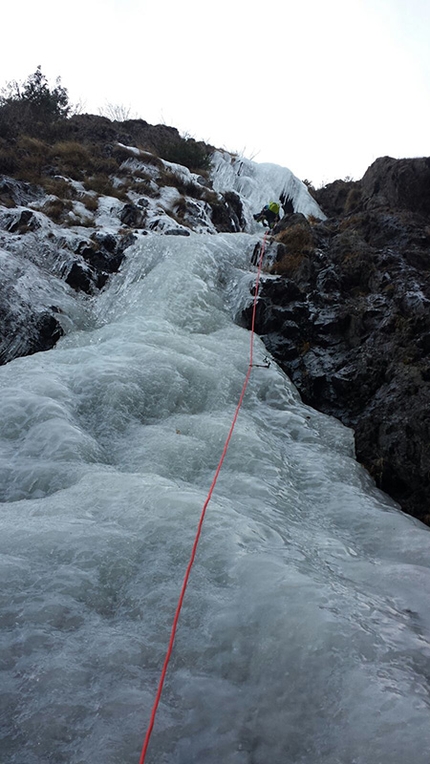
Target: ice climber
[269,213]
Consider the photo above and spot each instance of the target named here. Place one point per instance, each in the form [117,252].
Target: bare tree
[116,112]
[78,108]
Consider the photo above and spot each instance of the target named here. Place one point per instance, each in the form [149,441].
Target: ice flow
[304,637]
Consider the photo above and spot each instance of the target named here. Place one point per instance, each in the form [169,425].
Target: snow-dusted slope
[258,184]
[80,239]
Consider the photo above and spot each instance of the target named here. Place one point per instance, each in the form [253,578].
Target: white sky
[322,87]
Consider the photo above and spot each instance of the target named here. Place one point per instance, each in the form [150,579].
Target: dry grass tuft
[103,186]
[71,158]
[71,151]
[151,159]
[57,210]
[353,200]
[29,157]
[180,208]
[185,187]
[58,187]
[297,238]
[289,264]
[90,202]
[298,241]
[350,222]
[9,163]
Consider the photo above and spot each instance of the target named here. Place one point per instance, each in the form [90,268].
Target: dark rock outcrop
[24,332]
[177,232]
[15,192]
[227,213]
[96,260]
[348,319]
[33,258]
[132,216]
[26,221]
[402,184]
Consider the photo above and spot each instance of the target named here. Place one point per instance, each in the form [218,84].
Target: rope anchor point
[265,365]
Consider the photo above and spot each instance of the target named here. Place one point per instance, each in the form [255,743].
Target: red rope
[202,517]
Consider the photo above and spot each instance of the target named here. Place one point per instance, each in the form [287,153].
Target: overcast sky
[322,87]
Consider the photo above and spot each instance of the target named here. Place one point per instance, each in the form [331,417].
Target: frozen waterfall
[304,637]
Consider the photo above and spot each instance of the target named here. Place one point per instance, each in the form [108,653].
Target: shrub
[51,104]
[187,152]
[31,107]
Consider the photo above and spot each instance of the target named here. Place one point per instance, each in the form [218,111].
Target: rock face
[348,319]
[25,332]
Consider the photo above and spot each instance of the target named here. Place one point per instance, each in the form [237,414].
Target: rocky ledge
[345,312]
